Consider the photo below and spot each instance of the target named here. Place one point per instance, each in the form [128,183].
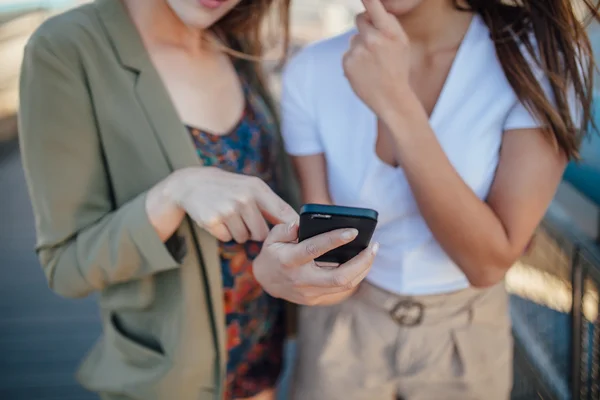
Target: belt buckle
[408,313]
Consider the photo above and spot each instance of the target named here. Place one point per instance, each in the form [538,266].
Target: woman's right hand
[227,205]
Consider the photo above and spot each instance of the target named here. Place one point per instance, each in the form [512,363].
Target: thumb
[283,233]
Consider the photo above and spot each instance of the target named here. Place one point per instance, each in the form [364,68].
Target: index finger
[379,16]
[274,209]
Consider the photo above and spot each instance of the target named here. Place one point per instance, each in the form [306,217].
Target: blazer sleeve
[83,242]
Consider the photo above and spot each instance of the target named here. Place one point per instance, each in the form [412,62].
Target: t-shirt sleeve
[519,117]
[299,127]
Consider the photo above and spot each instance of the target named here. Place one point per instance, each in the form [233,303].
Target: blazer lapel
[168,128]
[170,132]
[173,137]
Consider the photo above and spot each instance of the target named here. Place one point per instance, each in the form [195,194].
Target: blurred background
[554,302]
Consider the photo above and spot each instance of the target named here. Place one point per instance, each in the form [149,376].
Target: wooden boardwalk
[42,337]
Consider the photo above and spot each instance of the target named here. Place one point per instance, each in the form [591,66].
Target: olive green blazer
[98,130]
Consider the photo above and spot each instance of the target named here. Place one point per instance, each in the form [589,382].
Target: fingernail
[349,234]
[292,226]
[375,248]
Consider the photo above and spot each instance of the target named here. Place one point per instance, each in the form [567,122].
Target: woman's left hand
[286,269]
[378,61]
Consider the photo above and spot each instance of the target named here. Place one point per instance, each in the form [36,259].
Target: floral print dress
[254,320]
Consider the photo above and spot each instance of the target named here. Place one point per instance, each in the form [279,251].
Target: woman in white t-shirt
[454,120]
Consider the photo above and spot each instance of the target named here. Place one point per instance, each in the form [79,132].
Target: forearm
[465,226]
[312,176]
[312,198]
[121,247]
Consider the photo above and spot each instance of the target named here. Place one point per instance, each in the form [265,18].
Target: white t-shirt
[321,114]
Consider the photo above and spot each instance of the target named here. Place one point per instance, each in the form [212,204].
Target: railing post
[577,276]
[595,390]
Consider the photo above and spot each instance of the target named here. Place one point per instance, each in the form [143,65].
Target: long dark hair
[555,37]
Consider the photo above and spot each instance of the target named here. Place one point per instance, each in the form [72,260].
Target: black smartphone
[318,218]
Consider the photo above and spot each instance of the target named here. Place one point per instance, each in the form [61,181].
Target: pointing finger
[275,210]
[381,19]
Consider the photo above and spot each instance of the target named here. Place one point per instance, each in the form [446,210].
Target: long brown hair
[554,36]
[243,36]
[243,32]
[244,26]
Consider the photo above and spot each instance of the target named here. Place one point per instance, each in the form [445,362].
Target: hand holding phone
[316,219]
[286,269]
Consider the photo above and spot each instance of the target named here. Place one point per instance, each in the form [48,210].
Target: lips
[212,4]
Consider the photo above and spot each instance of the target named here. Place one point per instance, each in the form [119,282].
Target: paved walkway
[42,337]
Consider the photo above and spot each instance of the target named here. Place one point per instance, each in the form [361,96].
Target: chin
[401,7]
[194,14]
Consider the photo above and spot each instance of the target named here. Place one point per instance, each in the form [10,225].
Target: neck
[158,24]
[435,24]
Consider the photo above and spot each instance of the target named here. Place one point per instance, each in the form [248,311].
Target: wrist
[171,190]
[162,206]
[405,117]
[402,106]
